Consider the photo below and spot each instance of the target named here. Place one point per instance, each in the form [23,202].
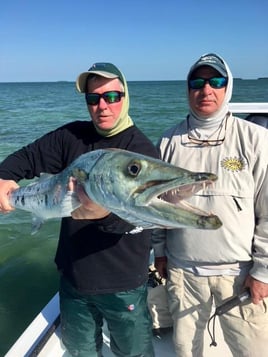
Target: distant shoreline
[130,81]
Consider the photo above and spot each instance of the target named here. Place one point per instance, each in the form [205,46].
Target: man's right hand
[6,187]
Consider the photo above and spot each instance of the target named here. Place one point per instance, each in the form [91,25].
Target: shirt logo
[131,307]
[234,164]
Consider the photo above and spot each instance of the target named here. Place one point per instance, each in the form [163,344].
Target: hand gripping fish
[133,186]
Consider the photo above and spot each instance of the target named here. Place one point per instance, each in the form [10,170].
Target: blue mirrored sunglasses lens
[197,83]
[112,97]
[218,82]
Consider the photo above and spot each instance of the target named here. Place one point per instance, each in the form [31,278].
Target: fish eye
[134,168]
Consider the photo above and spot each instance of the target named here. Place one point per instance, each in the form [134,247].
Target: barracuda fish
[146,192]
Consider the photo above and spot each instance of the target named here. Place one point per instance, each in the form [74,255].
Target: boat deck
[163,346]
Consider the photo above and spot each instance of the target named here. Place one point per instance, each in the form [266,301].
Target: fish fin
[37,222]
[44,176]
[69,203]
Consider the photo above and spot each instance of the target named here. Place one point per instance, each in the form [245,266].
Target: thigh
[190,304]
[255,325]
[81,322]
[129,322]
[248,318]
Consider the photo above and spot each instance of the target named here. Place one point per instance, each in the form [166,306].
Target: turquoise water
[28,277]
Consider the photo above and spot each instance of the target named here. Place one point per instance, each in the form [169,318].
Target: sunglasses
[214,82]
[193,141]
[199,142]
[109,97]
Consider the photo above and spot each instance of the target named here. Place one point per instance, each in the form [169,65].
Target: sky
[147,39]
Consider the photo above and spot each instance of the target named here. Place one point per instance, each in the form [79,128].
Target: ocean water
[28,277]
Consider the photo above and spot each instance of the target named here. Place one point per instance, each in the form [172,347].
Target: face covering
[124,121]
[203,127]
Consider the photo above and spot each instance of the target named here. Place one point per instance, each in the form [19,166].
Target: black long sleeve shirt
[98,256]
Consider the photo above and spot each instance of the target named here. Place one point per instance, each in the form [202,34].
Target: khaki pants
[158,307]
[245,327]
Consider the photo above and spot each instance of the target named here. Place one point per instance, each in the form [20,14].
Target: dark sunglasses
[109,97]
[214,82]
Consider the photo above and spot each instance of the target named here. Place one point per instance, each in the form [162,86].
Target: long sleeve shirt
[96,255]
[239,198]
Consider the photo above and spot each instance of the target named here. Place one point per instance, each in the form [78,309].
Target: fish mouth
[178,196]
[175,196]
[168,198]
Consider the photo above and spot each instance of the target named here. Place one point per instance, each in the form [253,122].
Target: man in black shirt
[103,269]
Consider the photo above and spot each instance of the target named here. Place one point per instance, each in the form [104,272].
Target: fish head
[148,191]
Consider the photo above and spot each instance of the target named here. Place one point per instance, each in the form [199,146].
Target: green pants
[126,315]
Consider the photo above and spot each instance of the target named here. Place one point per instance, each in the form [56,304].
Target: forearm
[15,167]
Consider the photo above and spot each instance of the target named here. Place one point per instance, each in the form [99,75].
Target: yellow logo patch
[234,164]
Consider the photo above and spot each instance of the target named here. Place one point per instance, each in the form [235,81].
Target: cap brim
[82,78]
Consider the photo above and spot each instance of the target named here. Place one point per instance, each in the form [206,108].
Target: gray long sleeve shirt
[239,197]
